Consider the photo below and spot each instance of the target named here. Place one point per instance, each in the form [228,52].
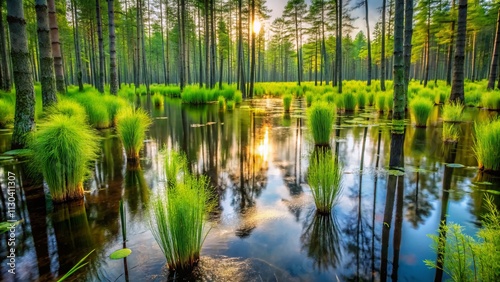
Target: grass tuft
[63,148]
[320,118]
[453,111]
[131,126]
[349,102]
[451,132]
[238,97]
[287,102]
[421,109]
[487,138]
[325,179]
[222,103]
[158,101]
[6,113]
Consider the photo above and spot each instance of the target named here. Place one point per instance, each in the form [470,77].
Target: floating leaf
[396,172]
[121,253]
[455,165]
[482,183]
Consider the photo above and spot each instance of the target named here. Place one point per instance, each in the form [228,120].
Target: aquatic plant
[486,140]
[467,258]
[194,95]
[309,98]
[238,97]
[389,100]
[440,97]
[63,148]
[175,166]
[114,104]
[222,103]
[370,98]
[131,126]
[349,101]
[421,109]
[177,218]
[6,113]
[451,132]
[472,98]
[76,267]
[287,102]
[325,179]
[97,111]
[453,111]
[330,97]
[320,118]
[230,105]
[491,100]
[380,102]
[158,101]
[69,108]
[361,99]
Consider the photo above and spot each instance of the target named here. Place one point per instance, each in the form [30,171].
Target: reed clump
[350,101]
[325,179]
[131,126]
[6,113]
[287,102]
[320,118]
[222,103]
[453,112]
[421,109]
[158,101]
[486,141]
[63,149]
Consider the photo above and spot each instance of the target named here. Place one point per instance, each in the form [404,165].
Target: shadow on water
[264,227]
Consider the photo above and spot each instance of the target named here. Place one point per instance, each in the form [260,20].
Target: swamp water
[264,227]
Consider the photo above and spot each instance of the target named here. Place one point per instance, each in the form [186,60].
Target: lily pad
[455,165]
[121,253]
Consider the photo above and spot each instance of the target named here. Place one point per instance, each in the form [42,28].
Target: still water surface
[264,227]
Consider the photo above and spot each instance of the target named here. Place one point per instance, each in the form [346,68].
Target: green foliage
[486,140]
[325,179]
[121,253]
[97,111]
[6,113]
[157,101]
[131,126]
[114,104]
[465,258]
[75,268]
[453,112]
[421,109]
[195,95]
[361,99]
[380,102]
[349,101]
[320,118]
[309,98]
[177,219]
[69,108]
[491,100]
[472,98]
[63,148]
[222,103]
[389,100]
[330,97]
[175,167]
[230,105]
[287,102]
[441,96]
[370,98]
[238,97]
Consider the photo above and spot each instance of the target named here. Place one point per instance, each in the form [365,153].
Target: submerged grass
[320,118]
[131,127]
[451,132]
[486,141]
[175,167]
[63,147]
[222,103]
[421,109]
[158,101]
[325,179]
[238,97]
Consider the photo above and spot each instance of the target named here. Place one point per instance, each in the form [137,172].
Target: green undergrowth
[486,142]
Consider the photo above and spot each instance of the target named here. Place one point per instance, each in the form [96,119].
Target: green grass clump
[6,113]
[175,167]
[63,148]
[472,98]
[325,179]
[309,98]
[222,103]
[177,220]
[361,99]
[114,104]
[287,102]
[330,97]
[421,109]
[230,105]
[158,101]
[486,141]
[97,110]
[380,102]
[349,101]
[491,100]
[195,95]
[453,112]
[389,100]
[238,97]
[451,132]
[69,108]
[469,258]
[441,97]
[427,93]
[370,98]
[320,118]
[131,126]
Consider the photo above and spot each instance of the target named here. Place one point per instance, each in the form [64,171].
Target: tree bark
[113,71]
[382,52]
[457,86]
[408,33]
[339,46]
[48,79]
[252,68]
[399,104]
[77,47]
[24,121]
[100,80]
[369,78]
[241,68]
[494,58]
[6,81]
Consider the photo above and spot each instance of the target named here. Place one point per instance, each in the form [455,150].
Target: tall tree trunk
[200,50]
[241,68]
[339,47]
[100,80]
[450,51]
[382,52]
[399,105]
[113,71]
[369,78]
[494,58]
[24,121]
[252,68]
[77,47]
[212,44]
[143,48]
[207,42]
[473,59]
[408,33]
[298,45]
[6,81]
[427,46]
[457,85]
[46,60]
[182,27]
